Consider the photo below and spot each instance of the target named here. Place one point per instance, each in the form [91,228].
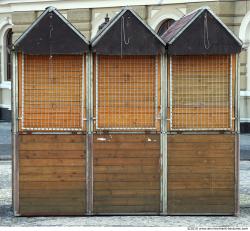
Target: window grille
[52,92]
[201,92]
[126,92]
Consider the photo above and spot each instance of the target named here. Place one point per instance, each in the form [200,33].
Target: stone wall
[81,20]
[21,21]
[5,92]
[87,20]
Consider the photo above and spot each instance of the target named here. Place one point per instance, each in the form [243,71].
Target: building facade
[87,15]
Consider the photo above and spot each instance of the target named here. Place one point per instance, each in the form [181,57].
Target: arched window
[165,25]
[8,54]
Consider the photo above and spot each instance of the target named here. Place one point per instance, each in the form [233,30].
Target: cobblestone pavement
[245,184]
[245,146]
[7,218]
[5,141]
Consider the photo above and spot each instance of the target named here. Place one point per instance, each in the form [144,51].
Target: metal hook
[206,36]
[123,34]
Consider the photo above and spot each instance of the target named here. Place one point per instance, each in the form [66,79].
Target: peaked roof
[51,33]
[126,33]
[179,26]
[189,32]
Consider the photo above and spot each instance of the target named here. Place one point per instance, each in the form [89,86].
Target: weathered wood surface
[52,174]
[126,173]
[201,174]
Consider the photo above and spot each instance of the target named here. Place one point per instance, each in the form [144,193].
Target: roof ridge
[110,22]
[116,17]
[195,14]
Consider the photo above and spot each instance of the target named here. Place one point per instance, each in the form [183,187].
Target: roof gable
[179,26]
[127,34]
[201,32]
[51,33]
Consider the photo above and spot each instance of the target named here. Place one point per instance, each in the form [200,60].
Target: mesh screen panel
[52,92]
[200,92]
[126,89]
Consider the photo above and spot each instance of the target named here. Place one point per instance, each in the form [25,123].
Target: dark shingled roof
[142,39]
[200,32]
[51,33]
[177,26]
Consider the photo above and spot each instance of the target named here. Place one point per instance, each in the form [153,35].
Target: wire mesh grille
[126,89]
[52,92]
[200,93]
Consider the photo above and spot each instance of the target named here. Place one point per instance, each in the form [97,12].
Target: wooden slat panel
[115,153]
[52,174]
[202,161]
[53,170]
[49,154]
[67,193]
[126,173]
[201,172]
[132,185]
[51,139]
[202,139]
[125,177]
[47,206]
[52,177]
[210,193]
[55,185]
[126,169]
[201,146]
[49,146]
[127,201]
[51,162]
[128,146]
[126,161]
[197,207]
[128,209]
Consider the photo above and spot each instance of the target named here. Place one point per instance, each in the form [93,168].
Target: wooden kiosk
[126,131]
[49,130]
[203,118]
[129,123]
